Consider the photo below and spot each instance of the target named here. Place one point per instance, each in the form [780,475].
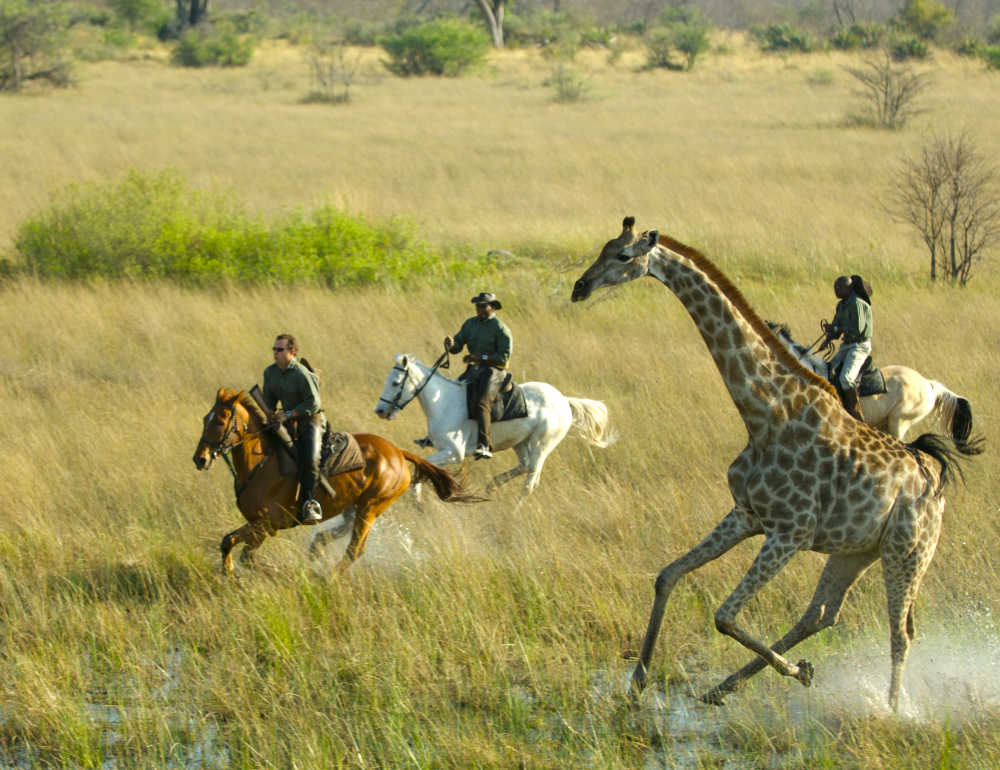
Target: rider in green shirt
[853,322]
[297,389]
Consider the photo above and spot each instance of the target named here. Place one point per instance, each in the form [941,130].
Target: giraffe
[811,478]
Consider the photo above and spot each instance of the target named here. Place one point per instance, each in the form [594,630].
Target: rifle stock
[258,396]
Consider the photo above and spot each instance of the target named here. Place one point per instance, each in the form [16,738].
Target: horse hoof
[806,672]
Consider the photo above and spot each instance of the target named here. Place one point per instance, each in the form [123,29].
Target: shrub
[207,45]
[783,37]
[909,48]
[845,40]
[569,84]
[927,19]
[33,44]
[659,49]
[153,225]
[993,33]
[141,15]
[441,47]
[537,27]
[970,47]
[991,56]
[682,33]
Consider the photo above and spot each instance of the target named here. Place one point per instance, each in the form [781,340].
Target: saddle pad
[872,383]
[506,406]
[341,454]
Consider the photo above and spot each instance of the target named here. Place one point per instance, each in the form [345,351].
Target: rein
[444,362]
[225,449]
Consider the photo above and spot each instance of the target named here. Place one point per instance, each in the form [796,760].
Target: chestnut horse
[266,499]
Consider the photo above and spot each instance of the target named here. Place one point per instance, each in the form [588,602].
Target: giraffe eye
[624,257]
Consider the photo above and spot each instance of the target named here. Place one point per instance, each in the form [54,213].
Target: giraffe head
[622,260]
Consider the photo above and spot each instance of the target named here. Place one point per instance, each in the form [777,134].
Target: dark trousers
[489,381]
[309,440]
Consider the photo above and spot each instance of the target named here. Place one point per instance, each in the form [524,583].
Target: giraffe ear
[654,238]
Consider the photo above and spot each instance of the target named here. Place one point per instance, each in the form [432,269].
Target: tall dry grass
[490,636]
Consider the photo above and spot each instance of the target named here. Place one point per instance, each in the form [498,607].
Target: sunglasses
[279,350]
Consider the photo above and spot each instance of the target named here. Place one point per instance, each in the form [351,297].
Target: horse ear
[221,395]
[405,361]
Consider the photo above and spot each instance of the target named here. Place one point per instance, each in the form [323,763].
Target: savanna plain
[495,635]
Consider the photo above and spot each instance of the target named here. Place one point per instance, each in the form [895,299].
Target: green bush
[993,33]
[927,19]
[153,225]
[991,56]
[970,46]
[779,38]
[213,45]
[441,47]
[903,49]
[681,33]
[845,40]
[146,16]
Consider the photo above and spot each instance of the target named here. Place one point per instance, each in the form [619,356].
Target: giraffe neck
[752,374]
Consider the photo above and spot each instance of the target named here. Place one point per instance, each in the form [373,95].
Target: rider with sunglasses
[297,389]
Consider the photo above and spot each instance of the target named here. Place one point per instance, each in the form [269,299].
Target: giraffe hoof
[805,674]
[714,698]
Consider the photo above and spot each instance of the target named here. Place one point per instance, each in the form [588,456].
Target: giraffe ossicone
[811,478]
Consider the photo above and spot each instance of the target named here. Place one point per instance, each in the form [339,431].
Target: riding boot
[310,435]
[852,403]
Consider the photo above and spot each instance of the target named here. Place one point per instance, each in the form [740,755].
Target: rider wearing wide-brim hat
[853,322]
[490,344]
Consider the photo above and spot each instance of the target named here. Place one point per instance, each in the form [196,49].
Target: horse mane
[247,402]
[414,360]
[730,292]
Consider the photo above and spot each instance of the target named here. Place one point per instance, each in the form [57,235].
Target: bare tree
[889,91]
[191,12]
[492,11]
[950,192]
[331,63]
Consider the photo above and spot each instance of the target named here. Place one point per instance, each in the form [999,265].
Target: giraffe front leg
[732,530]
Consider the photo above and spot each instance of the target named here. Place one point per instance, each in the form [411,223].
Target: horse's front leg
[252,534]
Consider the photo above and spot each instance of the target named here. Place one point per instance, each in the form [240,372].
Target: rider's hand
[468,359]
[280,417]
[828,328]
[449,343]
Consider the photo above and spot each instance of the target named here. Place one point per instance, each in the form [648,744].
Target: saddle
[508,405]
[870,382]
[340,453]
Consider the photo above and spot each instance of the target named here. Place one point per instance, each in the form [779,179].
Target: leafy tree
[441,47]
[32,44]
[147,15]
[927,19]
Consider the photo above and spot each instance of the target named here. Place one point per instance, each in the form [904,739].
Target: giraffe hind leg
[839,576]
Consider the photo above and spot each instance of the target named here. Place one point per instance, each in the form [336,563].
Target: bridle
[444,362]
[224,447]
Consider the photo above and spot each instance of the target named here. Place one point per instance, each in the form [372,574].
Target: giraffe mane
[729,290]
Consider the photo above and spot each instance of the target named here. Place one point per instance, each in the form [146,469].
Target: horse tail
[942,449]
[592,422]
[449,487]
[956,412]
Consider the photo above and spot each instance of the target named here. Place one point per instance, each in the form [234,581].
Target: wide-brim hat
[489,299]
[862,288]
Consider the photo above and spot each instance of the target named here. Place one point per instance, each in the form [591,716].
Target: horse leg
[898,426]
[252,534]
[839,576]
[329,534]
[521,450]
[363,521]
[543,441]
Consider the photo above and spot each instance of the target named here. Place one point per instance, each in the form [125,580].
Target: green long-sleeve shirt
[853,319]
[490,336]
[296,388]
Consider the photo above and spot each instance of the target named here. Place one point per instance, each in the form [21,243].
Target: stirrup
[424,442]
[312,513]
[482,451]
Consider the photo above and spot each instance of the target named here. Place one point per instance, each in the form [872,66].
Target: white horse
[908,399]
[453,434]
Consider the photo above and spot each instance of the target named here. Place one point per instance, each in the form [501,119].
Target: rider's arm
[505,346]
[460,341]
[850,321]
[269,390]
[308,395]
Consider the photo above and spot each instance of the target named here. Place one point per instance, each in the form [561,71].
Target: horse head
[399,389]
[224,427]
